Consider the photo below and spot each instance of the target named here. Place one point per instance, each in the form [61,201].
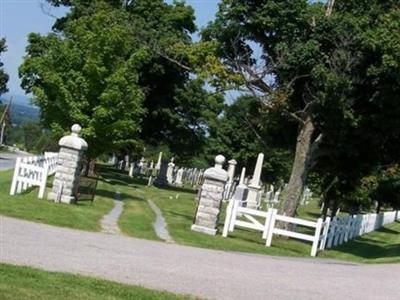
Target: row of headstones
[259,189]
[162,173]
[218,185]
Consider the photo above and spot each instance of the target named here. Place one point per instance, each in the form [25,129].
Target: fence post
[327,223]
[271,227]
[15,177]
[316,237]
[228,217]
[43,180]
[267,224]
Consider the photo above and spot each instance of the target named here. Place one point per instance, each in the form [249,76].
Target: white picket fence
[33,171]
[324,233]
[345,228]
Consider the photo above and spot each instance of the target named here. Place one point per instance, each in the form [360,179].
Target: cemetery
[220,149]
[204,208]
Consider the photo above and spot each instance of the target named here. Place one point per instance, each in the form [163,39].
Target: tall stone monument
[158,165]
[66,180]
[231,174]
[210,198]
[255,186]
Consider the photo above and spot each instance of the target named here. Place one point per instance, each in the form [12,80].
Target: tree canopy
[335,72]
[104,68]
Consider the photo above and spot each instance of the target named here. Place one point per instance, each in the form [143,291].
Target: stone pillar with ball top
[66,179]
[211,195]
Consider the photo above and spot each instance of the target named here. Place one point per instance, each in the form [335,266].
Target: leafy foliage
[105,65]
[3,75]
[246,129]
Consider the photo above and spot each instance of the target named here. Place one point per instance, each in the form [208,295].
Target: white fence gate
[325,233]
[33,171]
[266,222]
[317,239]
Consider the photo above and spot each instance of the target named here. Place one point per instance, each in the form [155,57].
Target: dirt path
[160,226]
[109,223]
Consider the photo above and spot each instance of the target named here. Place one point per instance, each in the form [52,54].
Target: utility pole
[3,121]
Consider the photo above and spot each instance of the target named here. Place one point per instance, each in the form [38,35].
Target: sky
[18,18]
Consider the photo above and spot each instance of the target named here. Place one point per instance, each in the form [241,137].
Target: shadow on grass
[371,247]
[120,177]
[112,195]
[178,189]
[188,217]
[364,249]
[389,231]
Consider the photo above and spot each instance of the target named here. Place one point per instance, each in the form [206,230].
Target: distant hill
[22,110]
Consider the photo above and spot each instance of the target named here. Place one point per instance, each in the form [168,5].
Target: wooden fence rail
[325,233]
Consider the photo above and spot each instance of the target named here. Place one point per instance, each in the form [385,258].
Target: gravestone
[210,198]
[178,180]
[161,179]
[170,171]
[158,165]
[231,174]
[253,197]
[66,179]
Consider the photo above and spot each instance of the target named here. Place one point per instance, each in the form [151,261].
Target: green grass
[28,283]
[137,218]
[84,215]
[178,207]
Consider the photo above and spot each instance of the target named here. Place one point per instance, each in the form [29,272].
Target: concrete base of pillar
[63,199]
[205,230]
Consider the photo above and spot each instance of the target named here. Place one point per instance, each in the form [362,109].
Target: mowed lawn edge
[178,207]
[83,216]
[19,282]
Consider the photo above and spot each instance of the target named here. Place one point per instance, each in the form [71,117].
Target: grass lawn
[137,217]
[29,283]
[178,207]
[84,215]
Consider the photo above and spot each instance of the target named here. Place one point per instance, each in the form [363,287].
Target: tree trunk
[301,166]
[378,208]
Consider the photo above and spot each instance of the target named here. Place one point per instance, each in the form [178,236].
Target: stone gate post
[68,171]
[211,195]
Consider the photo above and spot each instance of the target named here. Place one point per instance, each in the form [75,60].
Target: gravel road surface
[200,272]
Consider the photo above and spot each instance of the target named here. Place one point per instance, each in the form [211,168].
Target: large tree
[89,74]
[322,66]
[114,49]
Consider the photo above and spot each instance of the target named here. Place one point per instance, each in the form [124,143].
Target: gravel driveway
[8,159]
[200,272]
